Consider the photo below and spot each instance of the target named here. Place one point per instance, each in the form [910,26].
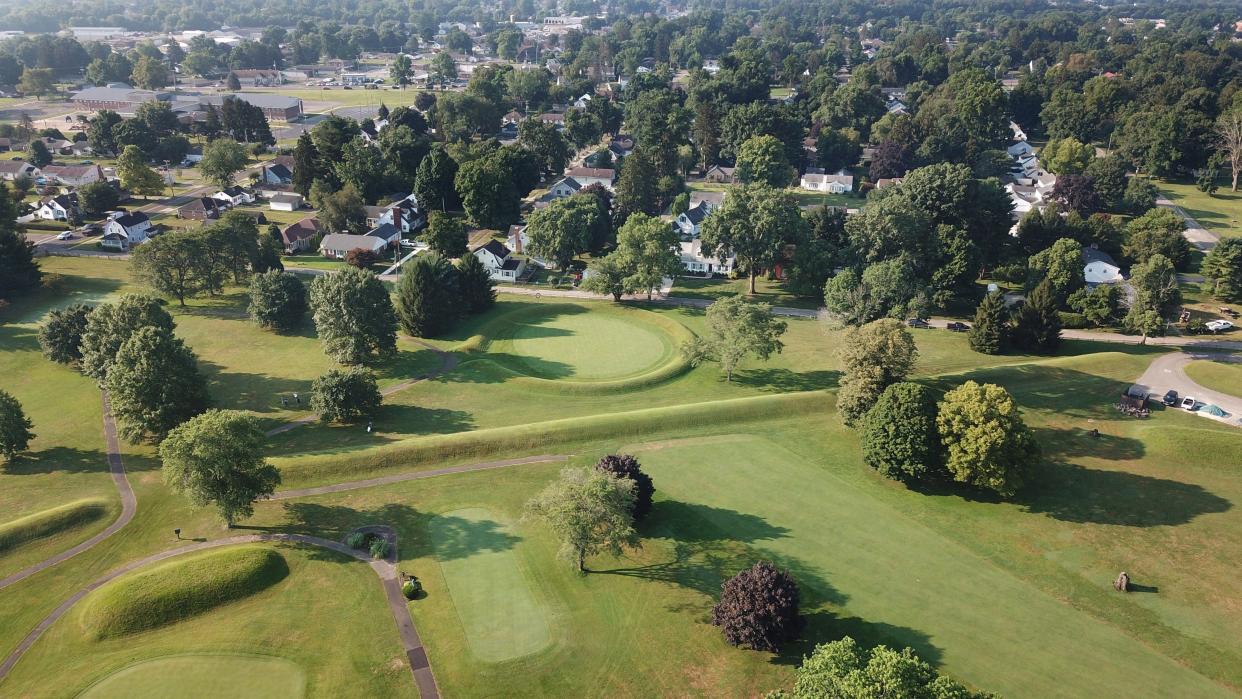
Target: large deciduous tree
[759,608]
[445,235]
[873,357]
[899,436]
[345,395]
[843,669]
[222,160]
[111,324]
[753,224]
[217,459]
[60,336]
[736,329]
[171,264]
[626,466]
[277,300]
[589,510]
[15,434]
[563,229]
[154,385]
[353,315]
[986,443]
[762,160]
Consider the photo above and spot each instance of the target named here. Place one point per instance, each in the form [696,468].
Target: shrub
[357,540]
[1012,273]
[379,547]
[758,608]
[411,588]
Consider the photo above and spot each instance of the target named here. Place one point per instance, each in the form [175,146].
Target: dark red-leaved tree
[626,466]
[758,608]
[1077,193]
[891,159]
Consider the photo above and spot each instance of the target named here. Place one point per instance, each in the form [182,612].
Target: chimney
[517,239]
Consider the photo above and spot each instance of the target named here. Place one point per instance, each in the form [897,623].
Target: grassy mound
[232,676]
[506,344]
[48,522]
[1225,377]
[180,589]
[548,436]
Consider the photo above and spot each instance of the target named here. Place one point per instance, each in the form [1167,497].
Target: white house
[128,229]
[285,202]
[583,102]
[499,261]
[816,180]
[587,176]
[234,196]
[276,173]
[58,208]
[12,169]
[693,259]
[564,187]
[1099,267]
[73,175]
[338,245]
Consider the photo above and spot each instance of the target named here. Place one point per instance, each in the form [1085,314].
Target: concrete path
[129,505]
[413,476]
[1168,372]
[1200,237]
[448,362]
[1198,342]
[386,570]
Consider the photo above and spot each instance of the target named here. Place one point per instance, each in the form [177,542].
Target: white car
[65,236]
[1217,326]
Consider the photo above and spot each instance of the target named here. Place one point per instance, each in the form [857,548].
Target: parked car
[958,327]
[1189,403]
[1170,399]
[65,236]
[1217,326]
[918,323]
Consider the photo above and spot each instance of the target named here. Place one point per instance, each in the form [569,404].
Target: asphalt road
[1168,372]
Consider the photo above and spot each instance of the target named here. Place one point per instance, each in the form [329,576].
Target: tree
[151,74]
[217,459]
[1157,232]
[987,445]
[1108,177]
[427,296]
[550,148]
[40,156]
[1156,294]
[762,159]
[891,160]
[753,225]
[562,230]
[589,510]
[844,670]
[1037,325]
[488,192]
[1223,270]
[110,325]
[401,70]
[306,165]
[345,396]
[1140,195]
[474,282]
[445,235]
[990,333]
[362,258]
[222,160]
[608,275]
[836,149]
[874,357]
[636,188]
[442,69]
[737,328]
[60,336]
[1099,305]
[277,300]
[1229,142]
[19,270]
[341,211]
[899,437]
[154,385]
[1076,193]
[1067,156]
[433,182]
[172,264]
[758,608]
[15,434]
[37,82]
[98,197]
[649,249]
[363,166]
[135,175]
[232,82]
[353,315]
[1061,265]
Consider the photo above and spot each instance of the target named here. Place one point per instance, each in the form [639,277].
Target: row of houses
[124,99]
[64,175]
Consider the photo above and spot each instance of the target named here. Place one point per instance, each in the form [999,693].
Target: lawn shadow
[822,626]
[1080,442]
[254,392]
[56,460]
[412,420]
[454,537]
[786,380]
[1073,493]
[498,367]
[335,522]
[1065,392]
[680,520]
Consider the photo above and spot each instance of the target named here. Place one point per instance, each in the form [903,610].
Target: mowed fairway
[857,557]
[574,342]
[1225,377]
[499,612]
[204,677]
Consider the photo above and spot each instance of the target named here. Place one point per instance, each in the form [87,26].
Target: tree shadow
[1066,392]
[454,537]
[786,380]
[412,419]
[57,460]
[335,522]
[255,392]
[1074,493]
[821,626]
[684,521]
[504,365]
[1077,441]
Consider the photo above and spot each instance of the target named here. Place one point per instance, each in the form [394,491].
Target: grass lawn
[204,676]
[1220,213]
[1225,377]
[354,97]
[766,290]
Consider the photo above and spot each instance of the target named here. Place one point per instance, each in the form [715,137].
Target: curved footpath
[385,569]
[129,505]
[1168,372]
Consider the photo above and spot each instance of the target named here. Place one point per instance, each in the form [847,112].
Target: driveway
[1168,372]
[1200,237]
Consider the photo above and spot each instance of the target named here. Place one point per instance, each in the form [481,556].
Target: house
[234,196]
[285,202]
[258,77]
[6,144]
[701,204]
[693,259]
[583,102]
[338,245]
[719,175]
[298,236]
[114,241]
[587,176]
[1099,267]
[499,261]
[73,175]
[1025,199]
[59,146]
[1020,149]
[59,208]
[387,233]
[275,173]
[129,229]
[887,182]
[403,214]
[557,119]
[564,187]
[816,180]
[202,209]
[12,169]
[621,145]
[512,117]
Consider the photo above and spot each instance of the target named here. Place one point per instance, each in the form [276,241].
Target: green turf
[204,677]
[499,613]
[51,521]
[1225,377]
[178,589]
[574,343]
[1220,213]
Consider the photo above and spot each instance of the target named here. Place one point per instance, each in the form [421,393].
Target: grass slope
[183,587]
[501,616]
[1225,377]
[204,677]
[1220,213]
[51,521]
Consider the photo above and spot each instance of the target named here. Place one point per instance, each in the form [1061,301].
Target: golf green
[203,677]
[570,342]
[857,557]
[501,616]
